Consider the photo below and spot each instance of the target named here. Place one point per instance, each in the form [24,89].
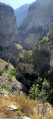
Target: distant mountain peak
[21,13]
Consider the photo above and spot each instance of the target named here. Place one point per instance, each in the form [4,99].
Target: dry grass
[25,106]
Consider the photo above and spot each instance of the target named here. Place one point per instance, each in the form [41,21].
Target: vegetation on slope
[25,107]
[39,88]
[40,57]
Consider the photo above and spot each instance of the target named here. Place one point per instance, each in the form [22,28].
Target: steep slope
[8,82]
[36,62]
[8,33]
[36,25]
[21,13]
[43,54]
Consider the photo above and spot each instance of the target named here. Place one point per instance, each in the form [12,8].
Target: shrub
[45,85]
[11,73]
[25,57]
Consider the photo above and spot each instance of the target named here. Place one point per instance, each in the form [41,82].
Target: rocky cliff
[43,54]
[36,25]
[8,32]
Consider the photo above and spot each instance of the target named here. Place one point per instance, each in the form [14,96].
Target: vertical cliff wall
[37,23]
[8,32]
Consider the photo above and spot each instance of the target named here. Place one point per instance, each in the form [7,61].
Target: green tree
[39,83]
[33,92]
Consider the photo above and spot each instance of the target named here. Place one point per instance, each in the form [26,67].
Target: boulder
[26,117]
[13,108]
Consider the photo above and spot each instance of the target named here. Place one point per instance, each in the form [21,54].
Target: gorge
[26,60]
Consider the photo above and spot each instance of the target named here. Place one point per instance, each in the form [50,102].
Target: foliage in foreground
[41,90]
[24,104]
[26,107]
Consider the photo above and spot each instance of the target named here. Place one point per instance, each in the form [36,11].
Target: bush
[11,73]
[25,57]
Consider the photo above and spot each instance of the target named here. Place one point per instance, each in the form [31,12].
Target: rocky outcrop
[8,83]
[43,54]
[36,25]
[7,21]
[8,33]
[3,92]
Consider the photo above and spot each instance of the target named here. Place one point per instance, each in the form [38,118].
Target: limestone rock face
[37,23]
[13,86]
[8,28]
[8,32]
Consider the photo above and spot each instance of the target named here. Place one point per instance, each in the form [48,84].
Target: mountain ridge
[21,13]
[38,20]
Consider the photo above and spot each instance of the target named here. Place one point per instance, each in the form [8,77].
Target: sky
[16,3]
